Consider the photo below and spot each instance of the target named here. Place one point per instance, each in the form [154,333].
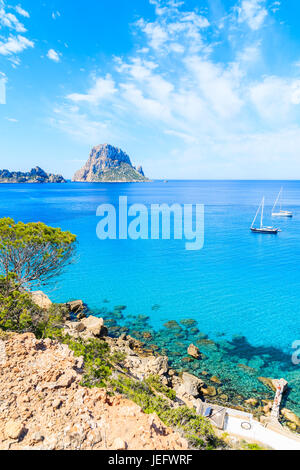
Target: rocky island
[108,164]
[36,175]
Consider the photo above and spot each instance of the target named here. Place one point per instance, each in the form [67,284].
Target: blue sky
[191,89]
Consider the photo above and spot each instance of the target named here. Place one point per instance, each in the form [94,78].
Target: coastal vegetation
[34,252]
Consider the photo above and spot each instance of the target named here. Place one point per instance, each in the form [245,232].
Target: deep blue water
[239,284]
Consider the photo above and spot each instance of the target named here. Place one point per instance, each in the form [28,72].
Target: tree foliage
[34,252]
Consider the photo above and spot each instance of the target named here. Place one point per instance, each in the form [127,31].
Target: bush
[196,429]
[34,252]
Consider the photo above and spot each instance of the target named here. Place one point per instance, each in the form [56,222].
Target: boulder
[194,351]
[209,391]
[191,384]
[41,300]
[88,328]
[76,306]
[95,325]
[290,416]
[216,380]
[252,402]
[13,430]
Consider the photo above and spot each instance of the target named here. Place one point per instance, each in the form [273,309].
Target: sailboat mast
[262,213]
[281,199]
[256,215]
[277,200]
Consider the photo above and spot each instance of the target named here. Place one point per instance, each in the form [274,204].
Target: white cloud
[10,21]
[276,98]
[252,12]
[53,55]
[11,43]
[21,11]
[11,119]
[102,88]
[14,45]
[206,111]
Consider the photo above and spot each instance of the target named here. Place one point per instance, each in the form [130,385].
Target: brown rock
[119,444]
[252,402]
[76,306]
[209,391]
[194,351]
[215,380]
[40,386]
[290,416]
[94,325]
[41,300]
[268,383]
[191,384]
[13,430]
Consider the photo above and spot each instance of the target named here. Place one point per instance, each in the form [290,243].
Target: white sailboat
[261,228]
[280,213]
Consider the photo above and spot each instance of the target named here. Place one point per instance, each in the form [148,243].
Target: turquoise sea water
[243,289]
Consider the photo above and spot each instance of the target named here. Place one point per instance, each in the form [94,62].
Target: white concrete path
[259,433]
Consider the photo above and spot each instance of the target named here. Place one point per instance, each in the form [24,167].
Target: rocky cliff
[36,175]
[44,407]
[109,164]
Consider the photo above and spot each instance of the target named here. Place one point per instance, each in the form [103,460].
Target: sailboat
[262,229]
[281,212]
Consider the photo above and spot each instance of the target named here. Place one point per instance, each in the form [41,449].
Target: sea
[237,299]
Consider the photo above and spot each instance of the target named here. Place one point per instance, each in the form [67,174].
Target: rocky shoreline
[47,403]
[190,389]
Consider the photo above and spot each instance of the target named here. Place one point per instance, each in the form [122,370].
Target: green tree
[34,252]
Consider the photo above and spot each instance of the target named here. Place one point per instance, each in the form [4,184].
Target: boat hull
[282,214]
[266,230]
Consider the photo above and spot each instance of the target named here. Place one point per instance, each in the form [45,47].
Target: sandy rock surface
[43,406]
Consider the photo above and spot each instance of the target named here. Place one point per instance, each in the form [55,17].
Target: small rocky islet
[109,164]
[36,175]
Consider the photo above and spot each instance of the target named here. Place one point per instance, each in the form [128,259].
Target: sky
[195,89]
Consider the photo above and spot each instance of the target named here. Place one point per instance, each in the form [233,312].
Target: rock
[119,444]
[252,402]
[76,306]
[36,175]
[108,164]
[224,397]
[209,391]
[41,300]
[37,414]
[13,430]
[268,407]
[215,380]
[95,325]
[3,357]
[269,383]
[142,367]
[191,384]
[290,416]
[88,328]
[194,351]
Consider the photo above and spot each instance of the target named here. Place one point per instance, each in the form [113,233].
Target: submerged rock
[194,351]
